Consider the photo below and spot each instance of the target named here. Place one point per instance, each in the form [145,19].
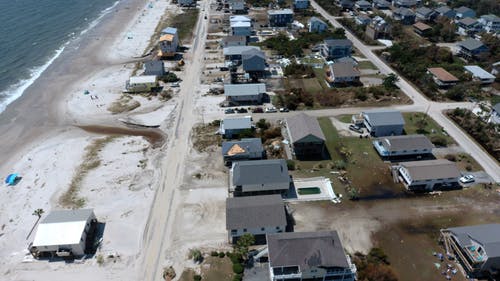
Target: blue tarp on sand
[11,179]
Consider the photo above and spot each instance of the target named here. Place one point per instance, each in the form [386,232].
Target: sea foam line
[16,90]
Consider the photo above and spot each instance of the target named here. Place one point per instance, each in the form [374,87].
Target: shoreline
[39,111]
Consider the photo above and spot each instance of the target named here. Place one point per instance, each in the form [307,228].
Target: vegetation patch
[205,136]
[374,266]
[125,103]
[283,45]
[486,134]
[330,7]
[421,123]
[358,30]
[91,161]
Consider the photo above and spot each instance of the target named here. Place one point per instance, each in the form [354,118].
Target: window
[263,228]
[234,231]
[244,230]
[277,227]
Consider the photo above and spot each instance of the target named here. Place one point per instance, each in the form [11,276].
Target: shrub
[451,157]
[196,255]
[238,268]
[235,257]
[221,255]
[361,95]
[340,165]
[197,277]
[468,167]
[214,253]
[170,77]
[439,140]
[290,164]
[263,124]
[237,277]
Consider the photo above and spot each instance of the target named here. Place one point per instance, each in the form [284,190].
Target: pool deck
[324,184]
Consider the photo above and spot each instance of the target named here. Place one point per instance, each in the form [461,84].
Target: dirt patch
[125,103]
[204,136]
[217,269]
[155,137]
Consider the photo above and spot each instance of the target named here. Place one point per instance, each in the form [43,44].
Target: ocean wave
[16,90]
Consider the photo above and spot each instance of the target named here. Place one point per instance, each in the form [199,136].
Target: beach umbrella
[11,179]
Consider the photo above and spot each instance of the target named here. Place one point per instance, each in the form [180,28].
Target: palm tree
[38,213]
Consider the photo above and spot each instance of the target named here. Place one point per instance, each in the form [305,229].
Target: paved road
[421,103]
[157,236]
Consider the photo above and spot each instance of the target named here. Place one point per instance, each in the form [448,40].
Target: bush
[214,253]
[451,157]
[238,268]
[235,258]
[439,141]
[262,124]
[196,255]
[290,164]
[237,277]
[221,255]
[169,77]
[361,95]
[197,277]
[340,165]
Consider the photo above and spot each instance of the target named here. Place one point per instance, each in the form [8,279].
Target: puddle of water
[154,136]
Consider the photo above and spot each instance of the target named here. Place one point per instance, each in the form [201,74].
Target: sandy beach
[41,139]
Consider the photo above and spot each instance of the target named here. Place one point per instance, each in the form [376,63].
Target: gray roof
[491,17]
[468,21]
[407,2]
[234,90]
[350,60]
[237,123]
[260,172]
[338,42]
[345,69]
[303,125]
[384,117]
[169,30]
[406,142]
[470,44]
[443,10]
[59,216]
[255,212]
[312,19]
[306,250]
[496,107]
[363,3]
[382,3]
[247,54]
[463,9]
[250,145]
[486,234]
[154,66]
[404,12]
[431,169]
[423,11]
[477,71]
[237,50]
[280,12]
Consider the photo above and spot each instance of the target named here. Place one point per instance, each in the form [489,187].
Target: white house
[479,74]
[405,145]
[427,175]
[256,215]
[64,233]
[144,83]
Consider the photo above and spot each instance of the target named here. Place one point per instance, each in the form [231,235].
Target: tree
[245,241]
[262,124]
[390,81]
[38,213]
[196,255]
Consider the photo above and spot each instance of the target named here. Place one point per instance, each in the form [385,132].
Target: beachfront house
[242,150]
[144,83]
[404,3]
[169,42]
[238,94]
[342,73]
[445,11]
[336,48]
[490,23]
[308,256]
[425,14]
[306,137]
[468,26]
[464,12]
[280,18]
[65,233]
[232,127]
[259,177]
[363,5]
[300,4]
[154,67]
[254,62]
[404,15]
[316,25]
[471,48]
[405,145]
[427,175]
[441,77]
[476,247]
[234,40]
[256,215]
[381,4]
[479,74]
[380,123]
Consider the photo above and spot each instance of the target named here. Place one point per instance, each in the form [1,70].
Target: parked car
[241,110]
[258,110]
[355,129]
[467,179]
[271,110]
[284,109]
[229,111]
[174,84]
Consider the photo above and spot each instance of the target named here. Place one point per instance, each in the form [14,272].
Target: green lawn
[311,84]
[366,64]
[364,168]
[345,118]
[429,127]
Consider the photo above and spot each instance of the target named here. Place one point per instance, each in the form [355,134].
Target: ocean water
[34,32]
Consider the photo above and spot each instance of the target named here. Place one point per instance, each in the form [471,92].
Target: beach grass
[91,160]
[125,103]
